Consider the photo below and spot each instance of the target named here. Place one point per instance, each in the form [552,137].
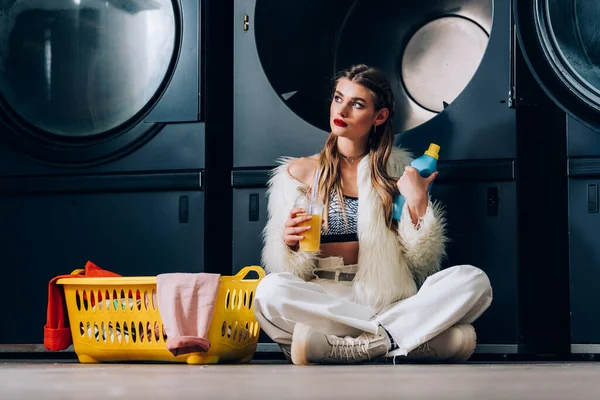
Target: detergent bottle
[425,165]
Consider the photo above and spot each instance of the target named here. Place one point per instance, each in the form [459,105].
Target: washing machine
[451,65]
[560,42]
[105,123]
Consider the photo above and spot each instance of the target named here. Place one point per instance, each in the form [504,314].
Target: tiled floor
[273,380]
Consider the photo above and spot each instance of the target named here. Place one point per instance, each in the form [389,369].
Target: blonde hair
[380,143]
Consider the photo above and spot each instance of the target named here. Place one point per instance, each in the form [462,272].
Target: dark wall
[218,73]
[543,196]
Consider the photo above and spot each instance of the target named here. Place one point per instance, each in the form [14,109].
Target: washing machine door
[561,45]
[80,79]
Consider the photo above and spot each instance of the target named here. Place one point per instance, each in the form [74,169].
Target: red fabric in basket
[57,333]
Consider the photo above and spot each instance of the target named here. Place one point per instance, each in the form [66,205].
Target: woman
[375,288]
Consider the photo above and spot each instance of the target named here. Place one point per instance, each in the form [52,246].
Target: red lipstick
[340,122]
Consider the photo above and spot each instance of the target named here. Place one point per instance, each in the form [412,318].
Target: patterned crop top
[337,231]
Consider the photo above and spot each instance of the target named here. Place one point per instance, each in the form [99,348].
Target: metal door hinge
[512,101]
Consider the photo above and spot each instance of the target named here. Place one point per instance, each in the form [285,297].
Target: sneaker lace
[346,349]
[422,349]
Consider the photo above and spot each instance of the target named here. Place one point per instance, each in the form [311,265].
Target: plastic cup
[312,237]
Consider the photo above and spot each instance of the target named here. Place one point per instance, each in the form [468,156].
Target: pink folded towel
[186,303]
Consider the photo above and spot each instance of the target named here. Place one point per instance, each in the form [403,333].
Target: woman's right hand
[292,233]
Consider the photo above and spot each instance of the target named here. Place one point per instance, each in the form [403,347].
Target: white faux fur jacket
[390,266]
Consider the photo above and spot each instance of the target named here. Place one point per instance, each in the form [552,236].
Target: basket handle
[77,271]
[244,271]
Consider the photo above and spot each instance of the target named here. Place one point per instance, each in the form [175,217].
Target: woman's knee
[273,290]
[269,286]
[474,280]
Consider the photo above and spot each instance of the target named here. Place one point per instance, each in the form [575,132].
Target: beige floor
[70,380]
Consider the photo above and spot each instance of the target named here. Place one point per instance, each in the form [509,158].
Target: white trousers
[456,295]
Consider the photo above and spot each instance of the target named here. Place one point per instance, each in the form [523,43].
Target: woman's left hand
[414,187]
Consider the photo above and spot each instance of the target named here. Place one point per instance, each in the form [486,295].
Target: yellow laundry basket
[117,319]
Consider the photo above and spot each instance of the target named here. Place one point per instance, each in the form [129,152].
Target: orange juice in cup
[312,237]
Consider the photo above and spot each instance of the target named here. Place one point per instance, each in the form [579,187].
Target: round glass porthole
[80,68]
[572,35]
[430,51]
[561,45]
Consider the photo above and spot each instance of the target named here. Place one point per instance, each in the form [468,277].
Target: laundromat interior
[138,139]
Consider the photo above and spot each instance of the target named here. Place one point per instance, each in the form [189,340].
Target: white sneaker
[310,346]
[454,345]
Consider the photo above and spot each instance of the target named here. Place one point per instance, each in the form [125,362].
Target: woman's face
[352,113]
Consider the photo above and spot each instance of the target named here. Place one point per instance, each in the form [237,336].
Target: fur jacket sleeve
[424,245]
[282,192]
[391,264]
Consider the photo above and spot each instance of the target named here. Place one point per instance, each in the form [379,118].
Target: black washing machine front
[438,55]
[85,84]
[450,65]
[102,144]
[562,49]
